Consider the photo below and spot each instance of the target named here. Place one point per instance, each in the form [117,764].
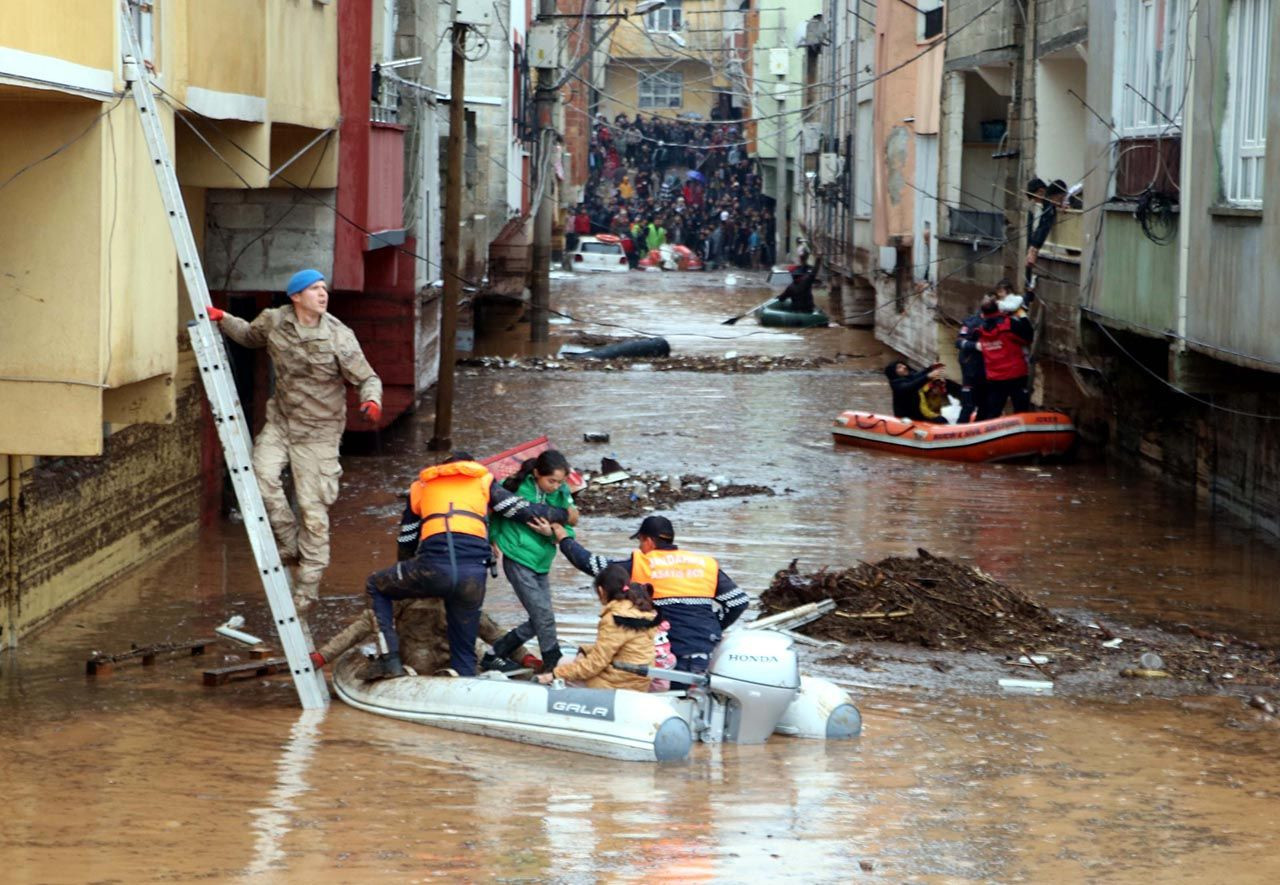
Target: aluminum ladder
[219,386]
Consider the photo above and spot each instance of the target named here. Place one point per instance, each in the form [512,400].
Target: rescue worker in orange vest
[444,552]
[690,591]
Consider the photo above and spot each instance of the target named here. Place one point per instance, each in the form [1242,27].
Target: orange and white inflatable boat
[1000,439]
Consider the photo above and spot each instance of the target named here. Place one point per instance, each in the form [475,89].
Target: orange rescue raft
[1000,439]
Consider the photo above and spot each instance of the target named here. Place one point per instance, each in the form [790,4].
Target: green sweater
[523,544]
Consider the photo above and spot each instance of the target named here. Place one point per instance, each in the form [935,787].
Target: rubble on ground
[643,493]
[943,605]
[739,364]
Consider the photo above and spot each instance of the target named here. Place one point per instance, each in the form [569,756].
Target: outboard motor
[758,673]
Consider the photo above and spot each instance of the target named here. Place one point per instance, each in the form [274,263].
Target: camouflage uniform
[305,419]
[424,644]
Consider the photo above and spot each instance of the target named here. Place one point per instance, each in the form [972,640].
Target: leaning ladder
[219,386]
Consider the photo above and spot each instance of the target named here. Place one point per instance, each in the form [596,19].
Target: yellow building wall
[622,90]
[225,45]
[71,30]
[85,521]
[302,63]
[52,253]
[141,262]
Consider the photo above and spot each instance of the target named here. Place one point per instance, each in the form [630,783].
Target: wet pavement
[145,775]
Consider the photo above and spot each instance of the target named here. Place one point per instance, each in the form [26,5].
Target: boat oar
[732,320]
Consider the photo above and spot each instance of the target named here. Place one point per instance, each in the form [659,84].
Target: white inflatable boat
[752,690]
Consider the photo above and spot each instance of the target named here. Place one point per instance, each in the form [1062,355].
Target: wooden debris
[101,664]
[247,670]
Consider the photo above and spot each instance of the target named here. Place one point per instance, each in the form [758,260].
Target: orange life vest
[676,573]
[452,497]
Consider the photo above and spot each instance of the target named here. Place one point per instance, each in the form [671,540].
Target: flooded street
[145,775]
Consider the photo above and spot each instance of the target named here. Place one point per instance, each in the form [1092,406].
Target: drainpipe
[853,146]
[1185,173]
[11,579]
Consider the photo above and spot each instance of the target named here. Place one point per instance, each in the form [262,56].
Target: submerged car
[602,253]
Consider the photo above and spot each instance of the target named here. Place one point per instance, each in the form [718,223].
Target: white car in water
[602,253]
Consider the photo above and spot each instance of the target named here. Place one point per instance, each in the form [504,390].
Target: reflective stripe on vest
[454,501]
[676,573]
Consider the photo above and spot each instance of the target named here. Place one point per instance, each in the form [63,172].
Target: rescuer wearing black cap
[690,591]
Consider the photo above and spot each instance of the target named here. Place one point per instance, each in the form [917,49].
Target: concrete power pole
[544,105]
[443,439]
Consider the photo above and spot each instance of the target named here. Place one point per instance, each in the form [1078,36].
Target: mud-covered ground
[730,363]
[970,620]
[643,493]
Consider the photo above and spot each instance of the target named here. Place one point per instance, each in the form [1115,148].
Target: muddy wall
[76,523]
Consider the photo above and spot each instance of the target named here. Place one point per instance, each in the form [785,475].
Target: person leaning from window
[908,388]
[1040,220]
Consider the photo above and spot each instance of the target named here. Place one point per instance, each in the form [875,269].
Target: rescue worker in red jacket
[1001,338]
[690,591]
[444,552]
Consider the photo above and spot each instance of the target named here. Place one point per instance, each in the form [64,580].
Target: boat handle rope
[857,420]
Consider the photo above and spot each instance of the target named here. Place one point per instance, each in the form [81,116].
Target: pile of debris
[942,605]
[616,492]
[927,601]
[729,363]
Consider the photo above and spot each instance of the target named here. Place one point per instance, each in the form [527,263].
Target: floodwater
[145,775]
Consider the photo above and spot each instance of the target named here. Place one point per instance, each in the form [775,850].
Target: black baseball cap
[657,527]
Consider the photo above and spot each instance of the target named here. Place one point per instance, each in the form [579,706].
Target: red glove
[371,411]
[317,660]
[215,315]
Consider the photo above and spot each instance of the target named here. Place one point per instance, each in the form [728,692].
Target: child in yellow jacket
[625,634]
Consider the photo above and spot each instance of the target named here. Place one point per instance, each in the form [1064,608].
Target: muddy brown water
[145,775]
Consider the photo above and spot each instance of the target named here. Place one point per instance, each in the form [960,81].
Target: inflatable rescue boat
[1000,439]
[752,690]
[774,314]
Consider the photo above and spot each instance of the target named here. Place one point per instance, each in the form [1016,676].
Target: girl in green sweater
[527,555]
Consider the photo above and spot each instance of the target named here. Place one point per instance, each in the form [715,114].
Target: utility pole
[780,201]
[443,439]
[544,104]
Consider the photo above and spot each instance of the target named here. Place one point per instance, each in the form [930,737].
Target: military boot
[391,666]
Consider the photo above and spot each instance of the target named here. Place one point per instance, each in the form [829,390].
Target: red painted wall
[355,48]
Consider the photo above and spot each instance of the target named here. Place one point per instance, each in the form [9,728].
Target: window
[663,90]
[1244,126]
[929,20]
[668,18]
[1151,66]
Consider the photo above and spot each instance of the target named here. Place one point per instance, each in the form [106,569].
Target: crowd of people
[656,182]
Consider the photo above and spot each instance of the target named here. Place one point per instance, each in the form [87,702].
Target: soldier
[424,643]
[315,356]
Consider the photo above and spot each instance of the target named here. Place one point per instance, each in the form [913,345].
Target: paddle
[732,320]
